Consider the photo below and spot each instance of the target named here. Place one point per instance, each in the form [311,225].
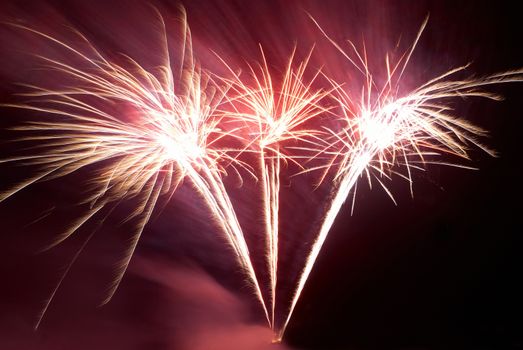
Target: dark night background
[438,271]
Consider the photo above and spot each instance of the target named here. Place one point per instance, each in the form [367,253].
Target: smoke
[207,315]
[161,306]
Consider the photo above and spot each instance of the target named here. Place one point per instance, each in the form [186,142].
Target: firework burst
[386,131]
[275,112]
[171,133]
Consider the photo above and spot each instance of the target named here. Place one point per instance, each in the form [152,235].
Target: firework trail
[273,115]
[386,130]
[172,133]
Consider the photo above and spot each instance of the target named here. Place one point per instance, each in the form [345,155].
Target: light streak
[169,132]
[386,129]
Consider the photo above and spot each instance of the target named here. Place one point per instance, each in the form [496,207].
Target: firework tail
[270,168]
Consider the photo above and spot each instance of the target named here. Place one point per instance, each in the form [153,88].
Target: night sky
[440,270]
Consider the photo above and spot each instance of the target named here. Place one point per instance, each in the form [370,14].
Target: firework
[274,114]
[171,133]
[386,131]
[144,131]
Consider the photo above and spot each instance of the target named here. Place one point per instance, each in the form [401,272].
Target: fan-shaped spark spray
[171,133]
[274,115]
[386,129]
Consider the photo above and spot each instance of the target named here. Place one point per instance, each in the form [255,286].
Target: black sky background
[437,271]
